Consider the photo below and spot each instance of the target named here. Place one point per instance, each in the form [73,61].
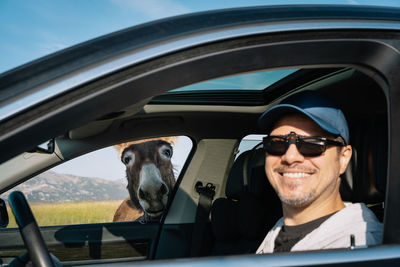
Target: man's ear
[345,156]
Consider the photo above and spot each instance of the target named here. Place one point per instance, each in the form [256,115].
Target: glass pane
[248,81]
[249,142]
[88,189]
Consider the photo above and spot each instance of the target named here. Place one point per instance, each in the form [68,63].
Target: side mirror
[3,214]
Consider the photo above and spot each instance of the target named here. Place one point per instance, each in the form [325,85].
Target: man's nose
[292,155]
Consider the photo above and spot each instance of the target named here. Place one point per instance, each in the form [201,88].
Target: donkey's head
[150,176]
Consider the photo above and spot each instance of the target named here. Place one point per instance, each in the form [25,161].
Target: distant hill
[54,187]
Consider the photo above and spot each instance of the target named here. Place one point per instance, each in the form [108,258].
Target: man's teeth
[296,174]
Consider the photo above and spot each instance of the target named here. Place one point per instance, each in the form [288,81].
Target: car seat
[251,207]
[365,179]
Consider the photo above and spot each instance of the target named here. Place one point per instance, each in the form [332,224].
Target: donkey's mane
[121,147]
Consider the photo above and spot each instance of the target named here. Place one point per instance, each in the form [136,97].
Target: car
[205,78]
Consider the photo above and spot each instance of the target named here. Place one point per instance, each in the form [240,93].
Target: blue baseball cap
[321,110]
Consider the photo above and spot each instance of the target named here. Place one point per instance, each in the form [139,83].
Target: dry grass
[47,214]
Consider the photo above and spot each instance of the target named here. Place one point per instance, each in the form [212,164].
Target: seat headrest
[247,174]
[365,181]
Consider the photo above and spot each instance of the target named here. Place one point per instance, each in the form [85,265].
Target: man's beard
[298,201]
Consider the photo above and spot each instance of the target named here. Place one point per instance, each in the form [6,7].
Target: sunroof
[249,89]
[248,81]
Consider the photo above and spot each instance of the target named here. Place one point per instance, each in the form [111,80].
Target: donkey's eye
[166,152]
[128,158]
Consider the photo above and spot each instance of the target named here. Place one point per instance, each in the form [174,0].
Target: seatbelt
[207,194]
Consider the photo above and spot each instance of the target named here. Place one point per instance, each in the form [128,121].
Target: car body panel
[76,244]
[358,257]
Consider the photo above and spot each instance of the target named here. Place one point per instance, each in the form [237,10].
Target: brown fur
[127,212]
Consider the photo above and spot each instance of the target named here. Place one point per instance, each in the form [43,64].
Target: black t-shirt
[290,235]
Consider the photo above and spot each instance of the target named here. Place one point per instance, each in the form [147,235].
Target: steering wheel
[29,229]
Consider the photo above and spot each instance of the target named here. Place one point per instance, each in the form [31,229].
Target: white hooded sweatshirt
[354,219]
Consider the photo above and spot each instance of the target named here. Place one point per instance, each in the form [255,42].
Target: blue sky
[30,29]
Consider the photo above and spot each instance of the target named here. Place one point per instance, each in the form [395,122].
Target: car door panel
[108,241]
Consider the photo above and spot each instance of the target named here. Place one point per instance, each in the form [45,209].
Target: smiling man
[307,149]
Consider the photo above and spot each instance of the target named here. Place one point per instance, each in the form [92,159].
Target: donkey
[150,180]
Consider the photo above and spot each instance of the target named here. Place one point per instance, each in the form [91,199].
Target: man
[307,150]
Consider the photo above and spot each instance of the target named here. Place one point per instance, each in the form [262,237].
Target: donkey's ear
[128,158]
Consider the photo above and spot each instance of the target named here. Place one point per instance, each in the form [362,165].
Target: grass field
[47,214]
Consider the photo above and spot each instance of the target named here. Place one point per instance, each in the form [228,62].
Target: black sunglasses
[310,146]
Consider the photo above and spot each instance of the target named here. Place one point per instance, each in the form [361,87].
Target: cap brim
[268,119]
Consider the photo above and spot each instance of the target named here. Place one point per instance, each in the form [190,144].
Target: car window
[89,188]
[249,142]
[249,81]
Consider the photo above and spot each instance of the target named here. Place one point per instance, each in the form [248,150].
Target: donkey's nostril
[163,189]
[141,193]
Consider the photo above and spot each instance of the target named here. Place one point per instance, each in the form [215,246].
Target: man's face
[300,180]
